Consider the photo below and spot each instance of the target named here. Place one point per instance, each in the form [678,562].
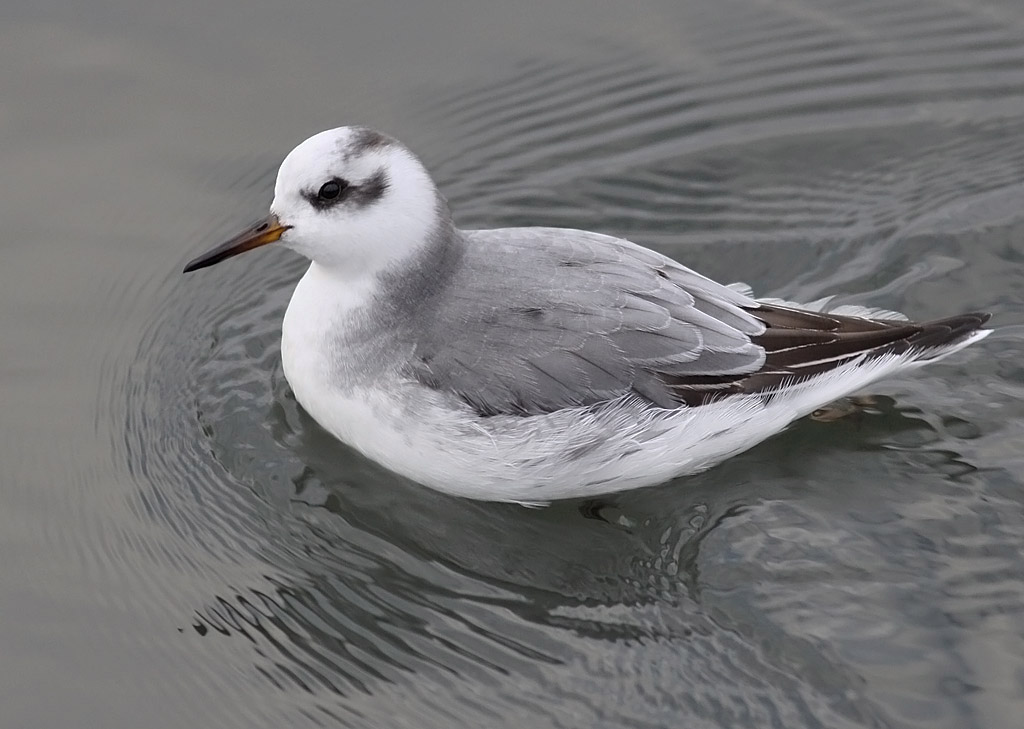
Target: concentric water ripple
[855,573]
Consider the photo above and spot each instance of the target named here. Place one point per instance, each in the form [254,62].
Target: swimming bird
[534,364]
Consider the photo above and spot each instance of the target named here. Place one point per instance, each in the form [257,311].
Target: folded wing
[575,318]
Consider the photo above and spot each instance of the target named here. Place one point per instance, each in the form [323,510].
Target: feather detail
[578,318]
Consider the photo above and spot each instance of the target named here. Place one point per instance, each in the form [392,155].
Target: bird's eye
[331,189]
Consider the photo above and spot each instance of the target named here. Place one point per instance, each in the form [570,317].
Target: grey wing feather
[539,319]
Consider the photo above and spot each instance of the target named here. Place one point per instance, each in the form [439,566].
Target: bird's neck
[353,303]
[408,288]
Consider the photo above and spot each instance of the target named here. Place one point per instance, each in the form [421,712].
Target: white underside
[437,440]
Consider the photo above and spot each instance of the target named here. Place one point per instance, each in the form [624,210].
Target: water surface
[183,546]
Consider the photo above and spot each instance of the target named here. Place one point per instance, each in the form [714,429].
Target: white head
[351,199]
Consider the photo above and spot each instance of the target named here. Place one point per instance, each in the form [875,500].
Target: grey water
[180,545]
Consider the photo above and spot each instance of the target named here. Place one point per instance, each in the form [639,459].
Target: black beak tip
[211,257]
[195,264]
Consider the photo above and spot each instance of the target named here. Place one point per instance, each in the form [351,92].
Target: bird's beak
[258,234]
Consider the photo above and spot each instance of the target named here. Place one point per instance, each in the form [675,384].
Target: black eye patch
[330,194]
[337,190]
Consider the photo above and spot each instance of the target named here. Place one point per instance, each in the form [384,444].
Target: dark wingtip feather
[802,344]
[940,332]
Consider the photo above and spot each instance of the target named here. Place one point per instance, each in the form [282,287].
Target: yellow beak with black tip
[258,234]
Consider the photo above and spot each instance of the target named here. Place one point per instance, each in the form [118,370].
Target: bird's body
[534,364]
